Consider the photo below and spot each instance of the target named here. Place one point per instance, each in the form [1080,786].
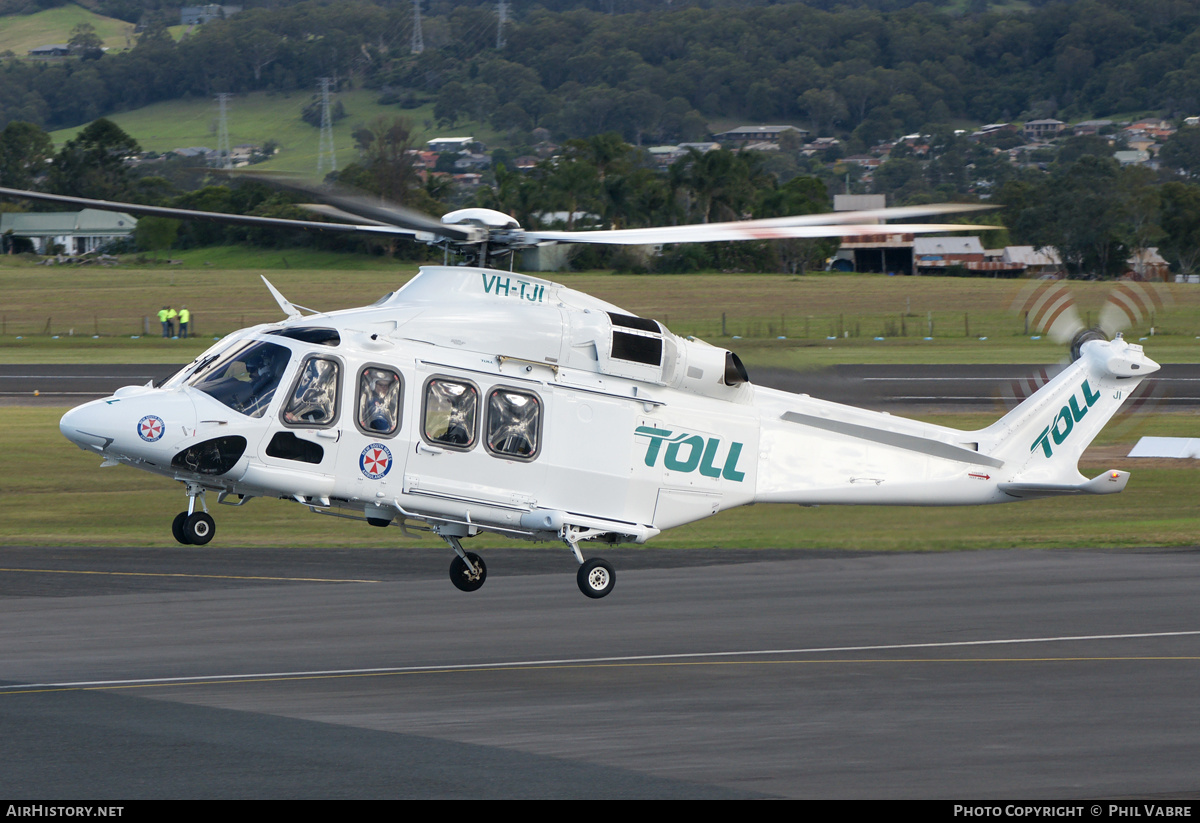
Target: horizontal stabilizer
[1110,482]
[1179,447]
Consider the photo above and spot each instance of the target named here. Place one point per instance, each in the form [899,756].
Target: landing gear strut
[193,528]
[467,570]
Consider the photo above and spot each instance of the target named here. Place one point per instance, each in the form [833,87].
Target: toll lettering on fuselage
[687,452]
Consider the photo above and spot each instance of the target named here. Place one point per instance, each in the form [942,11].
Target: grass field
[51,494]
[258,117]
[94,312]
[21,32]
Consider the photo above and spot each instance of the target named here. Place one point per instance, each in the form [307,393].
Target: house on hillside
[77,232]
[1043,129]
[758,134]
[459,145]
[199,15]
[52,50]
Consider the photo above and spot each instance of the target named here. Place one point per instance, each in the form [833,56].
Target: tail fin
[1042,439]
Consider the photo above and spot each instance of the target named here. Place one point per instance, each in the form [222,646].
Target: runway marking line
[202,576]
[684,659]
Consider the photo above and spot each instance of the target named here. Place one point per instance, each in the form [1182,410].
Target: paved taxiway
[982,387]
[218,672]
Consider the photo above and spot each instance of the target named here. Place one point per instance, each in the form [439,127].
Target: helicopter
[475,399]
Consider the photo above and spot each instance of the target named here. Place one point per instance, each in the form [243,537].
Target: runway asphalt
[310,673]
[317,673]
[980,387]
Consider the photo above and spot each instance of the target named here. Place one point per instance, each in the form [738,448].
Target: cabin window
[451,412]
[379,392]
[310,334]
[314,398]
[514,424]
[245,377]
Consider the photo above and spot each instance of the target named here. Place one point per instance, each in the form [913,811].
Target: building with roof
[76,232]
[1033,260]
[199,15]
[1043,129]
[758,134]
[51,50]
[454,144]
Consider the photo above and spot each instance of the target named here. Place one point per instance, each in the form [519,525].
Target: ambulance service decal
[151,428]
[375,461]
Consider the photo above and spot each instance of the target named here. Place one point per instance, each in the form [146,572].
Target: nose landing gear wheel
[462,577]
[177,530]
[596,578]
[199,528]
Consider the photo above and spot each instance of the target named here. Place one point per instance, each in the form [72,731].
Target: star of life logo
[150,428]
[375,461]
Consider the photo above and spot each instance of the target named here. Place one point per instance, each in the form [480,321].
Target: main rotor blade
[211,216]
[745,230]
[337,214]
[872,215]
[372,209]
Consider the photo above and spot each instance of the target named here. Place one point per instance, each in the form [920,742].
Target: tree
[93,164]
[85,42]
[386,167]
[800,195]
[1078,210]
[824,107]
[450,104]
[24,151]
[155,234]
[1182,151]
[1181,224]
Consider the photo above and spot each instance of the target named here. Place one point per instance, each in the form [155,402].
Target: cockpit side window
[379,394]
[451,413]
[514,424]
[314,398]
[245,377]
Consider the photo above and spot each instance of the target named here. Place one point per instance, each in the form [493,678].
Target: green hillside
[20,33]
[260,116]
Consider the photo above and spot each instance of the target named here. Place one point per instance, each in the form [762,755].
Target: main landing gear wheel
[596,578]
[199,528]
[461,575]
[177,528]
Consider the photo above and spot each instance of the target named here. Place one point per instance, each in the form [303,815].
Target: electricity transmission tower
[418,42]
[502,18]
[325,147]
[224,158]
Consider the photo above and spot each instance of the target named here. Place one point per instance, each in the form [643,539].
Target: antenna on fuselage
[284,303]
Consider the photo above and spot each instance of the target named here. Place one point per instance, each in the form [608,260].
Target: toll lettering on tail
[1065,420]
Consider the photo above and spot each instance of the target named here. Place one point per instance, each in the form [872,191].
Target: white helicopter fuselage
[519,406]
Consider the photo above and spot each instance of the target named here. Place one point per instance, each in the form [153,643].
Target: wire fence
[729,325]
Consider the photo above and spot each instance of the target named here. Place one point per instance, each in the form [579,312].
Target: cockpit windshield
[245,377]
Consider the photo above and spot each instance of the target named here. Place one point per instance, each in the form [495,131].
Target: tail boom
[818,453]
